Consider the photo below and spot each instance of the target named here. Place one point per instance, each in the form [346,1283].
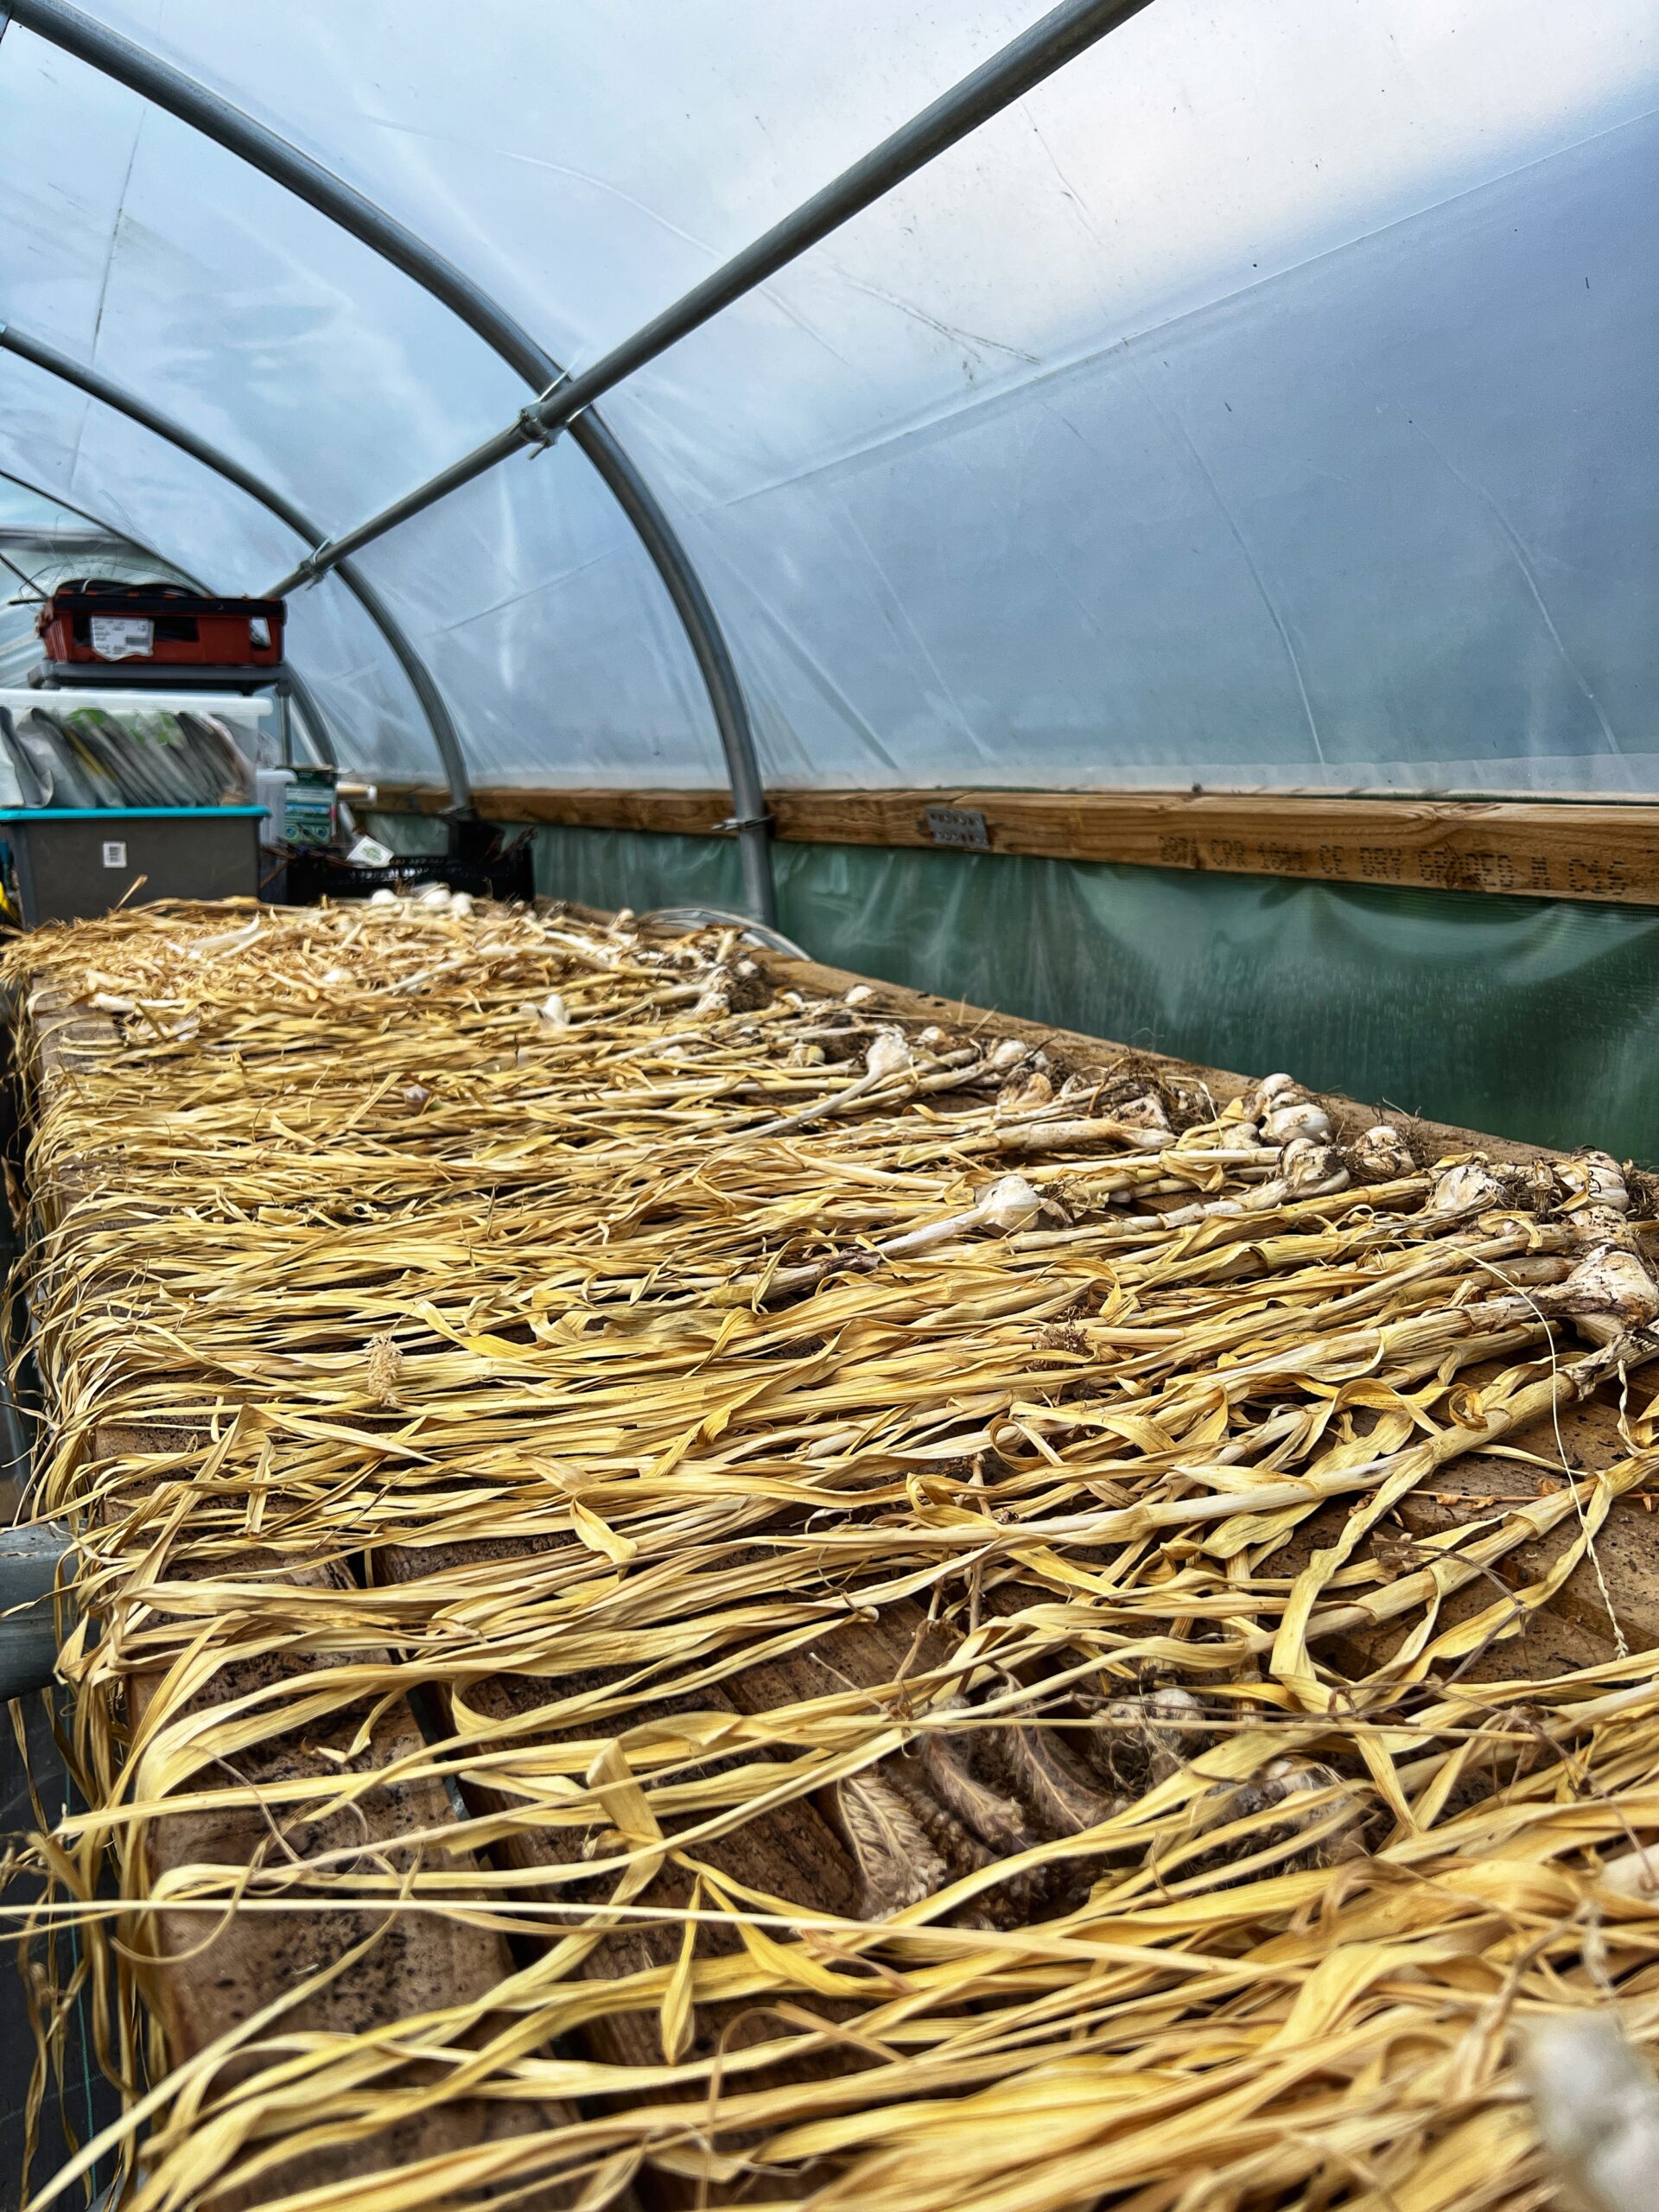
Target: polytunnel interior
[831,1326]
[1252,405]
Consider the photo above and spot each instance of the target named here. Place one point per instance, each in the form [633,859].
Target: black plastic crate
[507,874]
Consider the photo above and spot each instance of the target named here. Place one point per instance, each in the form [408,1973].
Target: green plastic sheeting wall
[1531,1018]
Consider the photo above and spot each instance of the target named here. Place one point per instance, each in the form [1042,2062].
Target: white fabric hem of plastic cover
[1263,402]
[1454,780]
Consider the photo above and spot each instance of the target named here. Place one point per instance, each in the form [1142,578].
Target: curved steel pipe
[32,1557]
[158,81]
[1064,32]
[100,387]
[315,722]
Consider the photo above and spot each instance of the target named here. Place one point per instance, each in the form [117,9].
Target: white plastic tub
[238,714]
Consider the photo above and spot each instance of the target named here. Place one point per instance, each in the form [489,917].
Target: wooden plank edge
[1541,848]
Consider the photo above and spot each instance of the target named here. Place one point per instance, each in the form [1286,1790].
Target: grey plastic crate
[64,864]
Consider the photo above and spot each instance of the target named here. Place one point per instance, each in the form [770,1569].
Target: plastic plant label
[308,808]
[369,852]
[115,852]
[122,637]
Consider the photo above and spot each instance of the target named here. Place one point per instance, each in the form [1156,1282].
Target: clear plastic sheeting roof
[1265,399]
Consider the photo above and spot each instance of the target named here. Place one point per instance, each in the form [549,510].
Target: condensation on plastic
[223,299]
[1262,401]
[549,631]
[1531,1018]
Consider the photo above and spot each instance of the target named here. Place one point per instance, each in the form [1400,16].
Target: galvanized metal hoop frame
[1058,38]
[218,119]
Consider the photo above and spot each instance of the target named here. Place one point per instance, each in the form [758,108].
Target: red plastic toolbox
[158,625]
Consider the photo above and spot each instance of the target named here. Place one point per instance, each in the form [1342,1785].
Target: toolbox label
[122,637]
[115,852]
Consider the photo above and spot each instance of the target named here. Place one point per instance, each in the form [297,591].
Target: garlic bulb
[1010,1203]
[1301,1117]
[1631,1874]
[861,994]
[1175,1709]
[1382,1154]
[1531,1184]
[888,1054]
[1162,1724]
[1592,1178]
[1026,1092]
[1306,1170]
[461,903]
[1609,1295]
[1470,1188]
[1140,1109]
[1007,1054]
[1310,1169]
[716,997]
[1597,2106]
[1284,1780]
[1304,1776]
[1272,1091]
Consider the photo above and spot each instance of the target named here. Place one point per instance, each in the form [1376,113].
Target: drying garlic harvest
[939,1668]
